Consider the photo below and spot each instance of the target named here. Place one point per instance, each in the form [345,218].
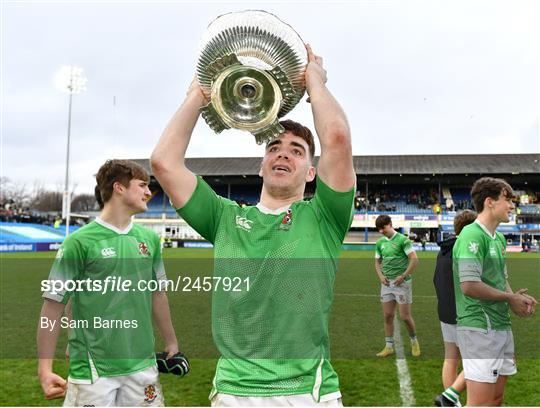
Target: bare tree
[47,200]
[84,202]
[18,193]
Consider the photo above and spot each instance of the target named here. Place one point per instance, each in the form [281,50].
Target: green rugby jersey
[273,338]
[100,346]
[480,256]
[394,254]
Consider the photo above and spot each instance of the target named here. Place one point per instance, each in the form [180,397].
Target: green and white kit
[479,256]
[273,337]
[113,333]
[394,253]
[484,334]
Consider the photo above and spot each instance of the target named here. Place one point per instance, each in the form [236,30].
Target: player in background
[395,261]
[484,296]
[111,349]
[273,338]
[443,280]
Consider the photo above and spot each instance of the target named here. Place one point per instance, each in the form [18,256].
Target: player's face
[287,163]
[387,230]
[137,195]
[502,207]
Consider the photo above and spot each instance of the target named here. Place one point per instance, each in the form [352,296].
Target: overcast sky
[415,77]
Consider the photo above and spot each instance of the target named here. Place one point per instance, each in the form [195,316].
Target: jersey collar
[113,228]
[485,229]
[266,210]
[390,239]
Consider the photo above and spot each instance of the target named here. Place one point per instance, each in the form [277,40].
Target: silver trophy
[251,66]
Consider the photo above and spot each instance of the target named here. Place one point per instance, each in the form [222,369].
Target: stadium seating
[158,204]
[416,200]
[532,209]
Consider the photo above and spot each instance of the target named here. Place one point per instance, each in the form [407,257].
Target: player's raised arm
[335,166]
[168,157]
[53,385]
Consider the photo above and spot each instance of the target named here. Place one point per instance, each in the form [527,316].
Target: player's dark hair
[382,220]
[489,187]
[99,200]
[122,171]
[302,132]
[462,219]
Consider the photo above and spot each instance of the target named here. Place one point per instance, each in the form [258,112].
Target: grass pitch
[356,331]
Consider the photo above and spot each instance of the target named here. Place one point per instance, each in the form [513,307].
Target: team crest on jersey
[286,222]
[473,247]
[150,393]
[143,249]
[243,223]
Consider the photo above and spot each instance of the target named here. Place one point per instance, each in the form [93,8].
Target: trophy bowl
[251,66]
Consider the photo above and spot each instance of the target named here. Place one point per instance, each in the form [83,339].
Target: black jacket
[444,282]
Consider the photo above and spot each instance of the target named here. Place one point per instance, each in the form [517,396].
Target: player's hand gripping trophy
[251,68]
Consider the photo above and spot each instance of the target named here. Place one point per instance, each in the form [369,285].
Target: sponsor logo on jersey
[150,393]
[108,252]
[492,250]
[143,249]
[473,247]
[243,223]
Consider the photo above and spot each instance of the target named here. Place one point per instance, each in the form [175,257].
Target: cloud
[414,77]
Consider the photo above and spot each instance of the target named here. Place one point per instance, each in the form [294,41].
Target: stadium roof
[381,165]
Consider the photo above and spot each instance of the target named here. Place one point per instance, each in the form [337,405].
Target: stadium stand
[418,184]
[530,209]
[423,191]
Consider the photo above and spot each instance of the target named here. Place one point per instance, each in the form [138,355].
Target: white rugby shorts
[140,389]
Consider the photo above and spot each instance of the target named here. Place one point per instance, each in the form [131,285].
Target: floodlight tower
[71,80]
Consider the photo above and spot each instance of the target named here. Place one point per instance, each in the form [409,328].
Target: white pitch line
[405,385]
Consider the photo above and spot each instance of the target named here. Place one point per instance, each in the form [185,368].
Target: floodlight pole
[70,80]
[67,195]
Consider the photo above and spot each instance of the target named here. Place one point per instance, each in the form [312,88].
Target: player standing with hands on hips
[273,338]
[395,260]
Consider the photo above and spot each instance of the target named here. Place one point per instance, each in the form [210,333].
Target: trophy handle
[268,133]
[286,87]
[220,64]
[212,118]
